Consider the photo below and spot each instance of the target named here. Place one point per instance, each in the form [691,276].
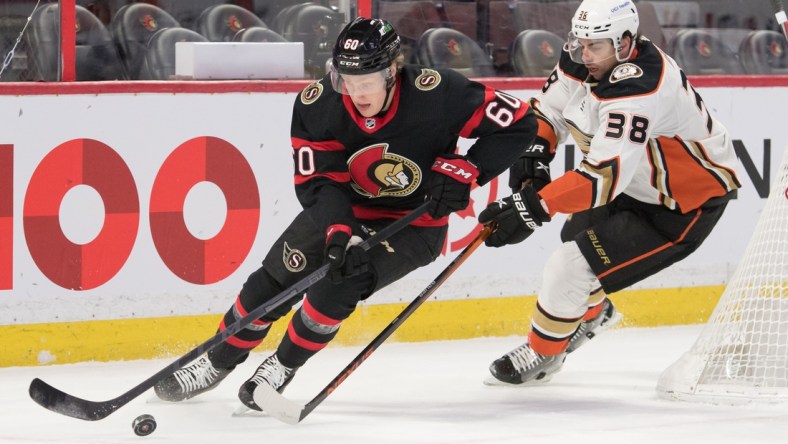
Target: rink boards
[130,218]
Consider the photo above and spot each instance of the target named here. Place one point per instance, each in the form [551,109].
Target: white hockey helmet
[604,19]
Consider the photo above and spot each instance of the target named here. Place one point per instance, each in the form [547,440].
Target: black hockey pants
[297,253]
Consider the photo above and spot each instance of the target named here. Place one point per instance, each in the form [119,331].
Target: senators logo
[775,48]
[234,23]
[311,93]
[546,48]
[704,48]
[455,48]
[149,23]
[428,79]
[378,173]
[294,260]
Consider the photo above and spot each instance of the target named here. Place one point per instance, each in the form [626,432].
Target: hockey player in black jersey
[371,141]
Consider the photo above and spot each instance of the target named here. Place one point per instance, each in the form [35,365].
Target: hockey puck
[144,425]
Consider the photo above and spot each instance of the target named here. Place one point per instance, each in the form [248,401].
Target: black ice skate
[270,372]
[586,331]
[524,366]
[197,377]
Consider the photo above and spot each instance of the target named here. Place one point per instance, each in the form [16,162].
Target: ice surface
[411,393]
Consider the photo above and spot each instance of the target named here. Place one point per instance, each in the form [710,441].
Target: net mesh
[741,355]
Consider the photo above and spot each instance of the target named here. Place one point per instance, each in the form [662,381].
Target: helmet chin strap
[629,54]
[631,50]
[384,109]
[389,87]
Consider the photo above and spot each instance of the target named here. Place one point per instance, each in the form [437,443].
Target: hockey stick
[58,401]
[285,410]
[782,19]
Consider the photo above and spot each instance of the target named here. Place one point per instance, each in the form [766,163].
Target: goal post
[741,355]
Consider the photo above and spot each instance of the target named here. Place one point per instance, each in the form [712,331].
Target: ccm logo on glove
[449,186]
[459,169]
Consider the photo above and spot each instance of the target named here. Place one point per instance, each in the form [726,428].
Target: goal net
[741,355]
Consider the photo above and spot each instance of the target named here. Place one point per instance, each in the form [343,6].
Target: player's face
[367,91]
[598,55]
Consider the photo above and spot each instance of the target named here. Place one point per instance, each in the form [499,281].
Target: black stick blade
[60,402]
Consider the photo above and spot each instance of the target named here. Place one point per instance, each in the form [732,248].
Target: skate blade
[610,322]
[153,399]
[245,412]
[492,381]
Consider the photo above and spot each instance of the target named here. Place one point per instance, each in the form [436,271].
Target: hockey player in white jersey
[657,173]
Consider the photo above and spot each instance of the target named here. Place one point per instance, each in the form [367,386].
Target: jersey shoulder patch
[427,80]
[625,71]
[311,93]
[640,76]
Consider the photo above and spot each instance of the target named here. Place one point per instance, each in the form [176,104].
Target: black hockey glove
[533,167]
[344,257]
[516,216]
[449,185]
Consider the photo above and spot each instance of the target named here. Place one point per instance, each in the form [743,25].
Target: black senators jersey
[644,130]
[348,165]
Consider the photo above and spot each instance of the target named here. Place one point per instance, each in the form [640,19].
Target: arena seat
[96,55]
[535,53]
[159,61]
[411,19]
[317,27]
[220,23]
[699,52]
[503,20]
[282,16]
[258,34]
[745,14]
[449,48]
[185,11]
[101,9]
[731,37]
[132,27]
[268,10]
[764,52]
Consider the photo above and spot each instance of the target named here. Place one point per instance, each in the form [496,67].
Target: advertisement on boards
[115,206]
